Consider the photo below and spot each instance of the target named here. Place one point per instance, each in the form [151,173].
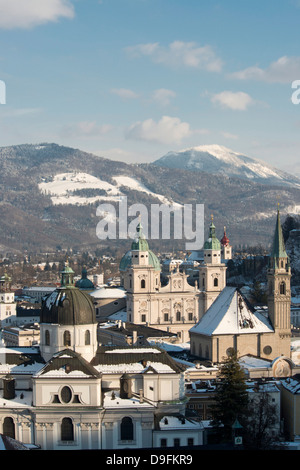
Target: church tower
[141,279]
[279,290]
[226,248]
[212,274]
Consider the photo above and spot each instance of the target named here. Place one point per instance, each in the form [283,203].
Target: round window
[267,350]
[66,394]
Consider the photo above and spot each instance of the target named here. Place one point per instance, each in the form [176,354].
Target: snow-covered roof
[231,314]
[108,293]
[112,400]
[292,385]
[170,423]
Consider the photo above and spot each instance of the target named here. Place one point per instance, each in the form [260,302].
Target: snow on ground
[64,184]
[61,189]
[132,183]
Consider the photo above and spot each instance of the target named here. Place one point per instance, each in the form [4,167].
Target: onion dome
[212,243]
[139,244]
[68,305]
[224,239]
[84,282]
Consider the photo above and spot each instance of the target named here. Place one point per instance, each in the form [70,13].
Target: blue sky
[133,79]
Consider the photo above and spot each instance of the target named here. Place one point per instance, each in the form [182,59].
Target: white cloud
[233,100]
[19,112]
[163,96]
[167,130]
[178,54]
[228,135]
[86,129]
[284,70]
[124,93]
[30,13]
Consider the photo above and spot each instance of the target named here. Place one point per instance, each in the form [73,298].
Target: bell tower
[279,290]
[212,274]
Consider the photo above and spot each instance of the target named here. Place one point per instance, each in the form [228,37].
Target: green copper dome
[68,305]
[84,282]
[212,243]
[139,244]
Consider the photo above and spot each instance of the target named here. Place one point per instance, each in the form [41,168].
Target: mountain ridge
[38,210]
[218,159]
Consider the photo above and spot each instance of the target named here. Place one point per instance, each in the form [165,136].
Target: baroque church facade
[177,305]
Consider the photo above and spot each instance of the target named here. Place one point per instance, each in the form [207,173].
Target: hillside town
[129,354]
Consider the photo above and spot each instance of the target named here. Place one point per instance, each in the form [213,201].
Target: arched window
[216,282]
[87,338]
[178,315]
[282,288]
[143,284]
[9,427]
[67,430]
[67,338]
[126,429]
[47,338]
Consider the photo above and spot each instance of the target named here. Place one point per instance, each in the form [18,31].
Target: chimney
[134,338]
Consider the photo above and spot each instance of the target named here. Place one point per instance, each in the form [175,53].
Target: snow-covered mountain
[50,194]
[217,159]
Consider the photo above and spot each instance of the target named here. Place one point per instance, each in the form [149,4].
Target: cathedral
[177,305]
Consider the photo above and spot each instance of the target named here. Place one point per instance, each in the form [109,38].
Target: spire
[278,248]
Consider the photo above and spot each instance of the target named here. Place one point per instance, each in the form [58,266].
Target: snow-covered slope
[217,159]
[72,188]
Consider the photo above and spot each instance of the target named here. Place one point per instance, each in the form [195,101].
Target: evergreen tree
[231,397]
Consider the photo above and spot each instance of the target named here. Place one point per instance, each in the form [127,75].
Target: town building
[20,336]
[7,302]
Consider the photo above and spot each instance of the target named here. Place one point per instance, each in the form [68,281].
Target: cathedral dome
[125,262]
[68,305]
[139,244]
[84,282]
